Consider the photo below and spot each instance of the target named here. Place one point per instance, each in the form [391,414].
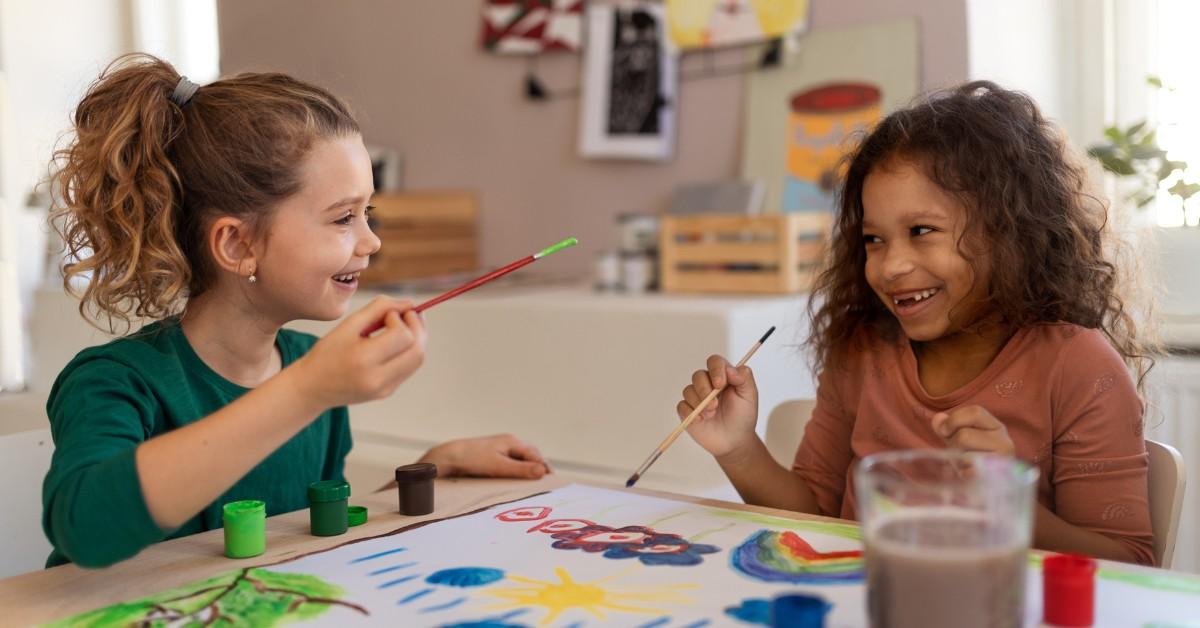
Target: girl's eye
[869,239]
[920,230]
[349,217]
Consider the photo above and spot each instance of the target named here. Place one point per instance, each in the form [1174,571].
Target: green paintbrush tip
[561,245]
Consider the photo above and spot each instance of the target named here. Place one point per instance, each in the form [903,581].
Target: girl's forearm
[1052,533]
[762,481]
[185,469]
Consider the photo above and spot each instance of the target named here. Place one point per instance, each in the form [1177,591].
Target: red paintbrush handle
[470,285]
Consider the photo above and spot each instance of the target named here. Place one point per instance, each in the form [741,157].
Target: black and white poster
[629,84]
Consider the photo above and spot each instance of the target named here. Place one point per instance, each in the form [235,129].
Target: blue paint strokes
[463,577]
[486,623]
[393,568]
[379,555]
[392,583]
[493,622]
[698,624]
[656,623]
[418,594]
[442,607]
[751,611]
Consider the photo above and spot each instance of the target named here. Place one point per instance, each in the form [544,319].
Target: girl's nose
[897,262]
[368,243]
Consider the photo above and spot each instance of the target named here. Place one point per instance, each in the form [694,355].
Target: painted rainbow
[771,556]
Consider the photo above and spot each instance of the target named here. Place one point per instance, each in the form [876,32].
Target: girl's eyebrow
[914,216]
[352,200]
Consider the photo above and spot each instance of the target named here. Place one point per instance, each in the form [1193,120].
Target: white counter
[591,379]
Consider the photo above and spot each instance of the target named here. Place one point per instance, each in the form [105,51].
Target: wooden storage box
[424,234]
[765,254]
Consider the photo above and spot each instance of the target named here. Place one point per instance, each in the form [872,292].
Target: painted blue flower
[663,549]
[463,577]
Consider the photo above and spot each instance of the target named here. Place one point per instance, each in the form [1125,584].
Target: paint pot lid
[800,611]
[356,515]
[836,98]
[244,508]
[328,491]
[1068,590]
[416,472]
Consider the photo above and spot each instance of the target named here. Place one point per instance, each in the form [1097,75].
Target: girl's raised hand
[344,367]
[972,428]
[727,423]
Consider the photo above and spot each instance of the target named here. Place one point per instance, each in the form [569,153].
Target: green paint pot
[245,524]
[327,507]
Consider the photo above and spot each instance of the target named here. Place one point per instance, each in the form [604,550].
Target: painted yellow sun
[567,594]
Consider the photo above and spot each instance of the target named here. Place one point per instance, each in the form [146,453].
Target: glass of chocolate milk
[947,536]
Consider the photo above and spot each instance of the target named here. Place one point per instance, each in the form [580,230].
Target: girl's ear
[230,241]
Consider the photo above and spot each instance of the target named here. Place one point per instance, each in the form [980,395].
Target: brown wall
[415,74]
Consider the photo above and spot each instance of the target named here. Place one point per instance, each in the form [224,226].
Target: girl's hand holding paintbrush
[345,367]
[726,425]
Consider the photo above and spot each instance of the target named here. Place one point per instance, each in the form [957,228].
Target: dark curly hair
[1050,243]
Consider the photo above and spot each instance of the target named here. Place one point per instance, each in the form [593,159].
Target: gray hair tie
[184,90]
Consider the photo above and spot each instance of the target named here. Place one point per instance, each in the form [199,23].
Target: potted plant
[1143,170]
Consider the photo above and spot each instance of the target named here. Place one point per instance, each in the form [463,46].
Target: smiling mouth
[347,278]
[912,298]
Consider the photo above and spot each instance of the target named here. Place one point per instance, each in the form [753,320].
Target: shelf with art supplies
[763,254]
[713,239]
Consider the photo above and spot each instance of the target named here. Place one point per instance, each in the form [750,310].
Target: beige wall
[415,74]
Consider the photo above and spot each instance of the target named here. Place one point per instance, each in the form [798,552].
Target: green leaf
[1117,165]
[1168,168]
[1154,81]
[1114,135]
[1133,129]
[1143,201]
[1184,190]
[1141,152]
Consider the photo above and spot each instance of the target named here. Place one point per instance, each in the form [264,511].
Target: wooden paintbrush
[683,425]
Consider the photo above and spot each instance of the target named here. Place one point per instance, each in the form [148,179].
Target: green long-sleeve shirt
[113,397]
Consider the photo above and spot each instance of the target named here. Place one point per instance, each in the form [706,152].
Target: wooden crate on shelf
[764,254]
[423,234]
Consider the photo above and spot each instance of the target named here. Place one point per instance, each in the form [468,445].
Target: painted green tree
[249,597]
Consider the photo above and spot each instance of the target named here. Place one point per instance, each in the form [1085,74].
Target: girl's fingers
[701,383]
[716,371]
[947,423]
[974,439]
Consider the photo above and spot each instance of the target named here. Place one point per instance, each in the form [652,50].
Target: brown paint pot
[414,483]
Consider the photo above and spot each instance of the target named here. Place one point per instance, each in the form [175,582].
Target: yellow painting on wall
[715,23]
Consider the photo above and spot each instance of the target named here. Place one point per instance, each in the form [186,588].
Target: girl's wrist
[298,382]
[443,458]
[743,453]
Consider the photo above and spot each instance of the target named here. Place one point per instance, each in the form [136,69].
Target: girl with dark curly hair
[971,300]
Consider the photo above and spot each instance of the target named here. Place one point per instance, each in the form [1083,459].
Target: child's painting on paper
[577,556]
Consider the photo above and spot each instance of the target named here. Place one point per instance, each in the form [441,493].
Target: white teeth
[346,277]
[917,297]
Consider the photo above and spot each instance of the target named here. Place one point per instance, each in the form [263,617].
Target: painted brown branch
[303,599]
